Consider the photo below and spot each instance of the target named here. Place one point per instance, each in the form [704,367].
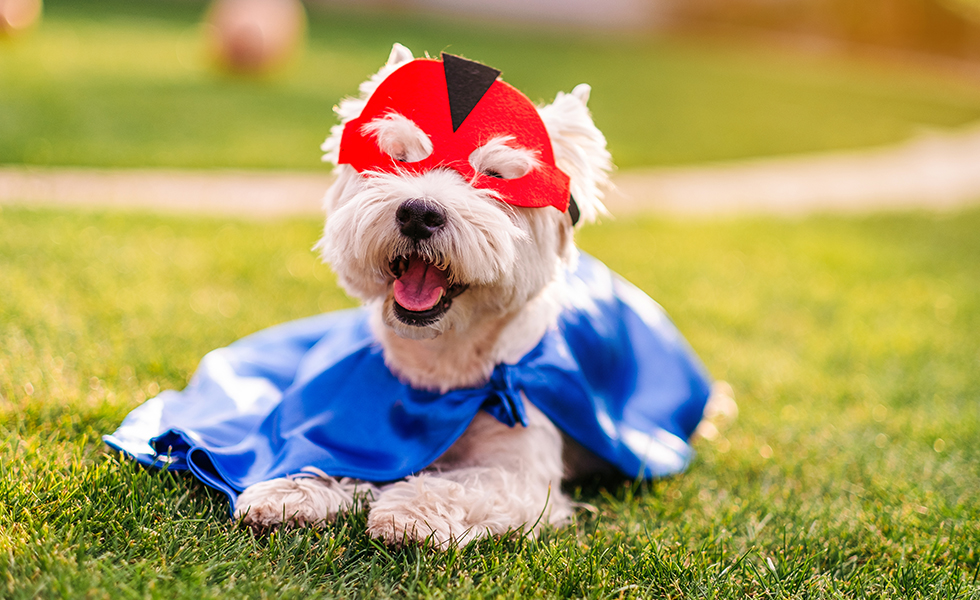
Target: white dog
[457,282]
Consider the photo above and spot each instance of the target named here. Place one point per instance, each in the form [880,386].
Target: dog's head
[443,222]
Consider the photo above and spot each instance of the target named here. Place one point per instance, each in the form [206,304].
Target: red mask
[460,105]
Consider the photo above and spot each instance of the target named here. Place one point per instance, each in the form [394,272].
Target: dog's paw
[297,501]
[720,411]
[459,507]
[422,509]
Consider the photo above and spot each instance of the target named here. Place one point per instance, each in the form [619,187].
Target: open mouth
[422,290]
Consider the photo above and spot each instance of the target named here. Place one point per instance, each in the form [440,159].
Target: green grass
[126,83]
[852,471]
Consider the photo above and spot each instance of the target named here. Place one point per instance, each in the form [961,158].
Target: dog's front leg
[301,501]
[494,480]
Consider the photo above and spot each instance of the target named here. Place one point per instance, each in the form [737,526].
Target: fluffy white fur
[501,157]
[399,137]
[495,479]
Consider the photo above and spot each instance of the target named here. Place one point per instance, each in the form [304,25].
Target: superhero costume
[614,374]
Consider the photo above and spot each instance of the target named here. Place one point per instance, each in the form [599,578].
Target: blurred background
[249,84]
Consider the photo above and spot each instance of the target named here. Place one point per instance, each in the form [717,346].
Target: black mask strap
[573,210]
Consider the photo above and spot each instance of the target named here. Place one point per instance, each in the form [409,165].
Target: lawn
[126,83]
[851,472]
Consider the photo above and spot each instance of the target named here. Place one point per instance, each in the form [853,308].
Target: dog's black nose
[418,219]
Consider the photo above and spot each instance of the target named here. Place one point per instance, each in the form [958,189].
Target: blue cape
[615,375]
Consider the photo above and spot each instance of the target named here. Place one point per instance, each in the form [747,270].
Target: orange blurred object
[254,36]
[18,15]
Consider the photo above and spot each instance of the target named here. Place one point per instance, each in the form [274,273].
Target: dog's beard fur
[502,257]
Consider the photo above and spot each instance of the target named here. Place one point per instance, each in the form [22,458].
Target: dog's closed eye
[400,138]
[497,158]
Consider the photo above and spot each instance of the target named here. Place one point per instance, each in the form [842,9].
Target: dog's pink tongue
[421,286]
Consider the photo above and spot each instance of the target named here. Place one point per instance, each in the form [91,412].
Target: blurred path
[253,194]
[936,171]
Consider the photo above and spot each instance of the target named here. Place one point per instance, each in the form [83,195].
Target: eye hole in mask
[398,137]
[499,159]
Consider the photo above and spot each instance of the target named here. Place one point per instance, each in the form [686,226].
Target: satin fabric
[615,375]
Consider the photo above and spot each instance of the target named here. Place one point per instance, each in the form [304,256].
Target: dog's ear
[580,150]
[350,108]
[399,55]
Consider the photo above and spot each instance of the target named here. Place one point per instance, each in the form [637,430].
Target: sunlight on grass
[127,83]
[851,472]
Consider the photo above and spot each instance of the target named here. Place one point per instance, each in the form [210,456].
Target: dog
[458,278]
